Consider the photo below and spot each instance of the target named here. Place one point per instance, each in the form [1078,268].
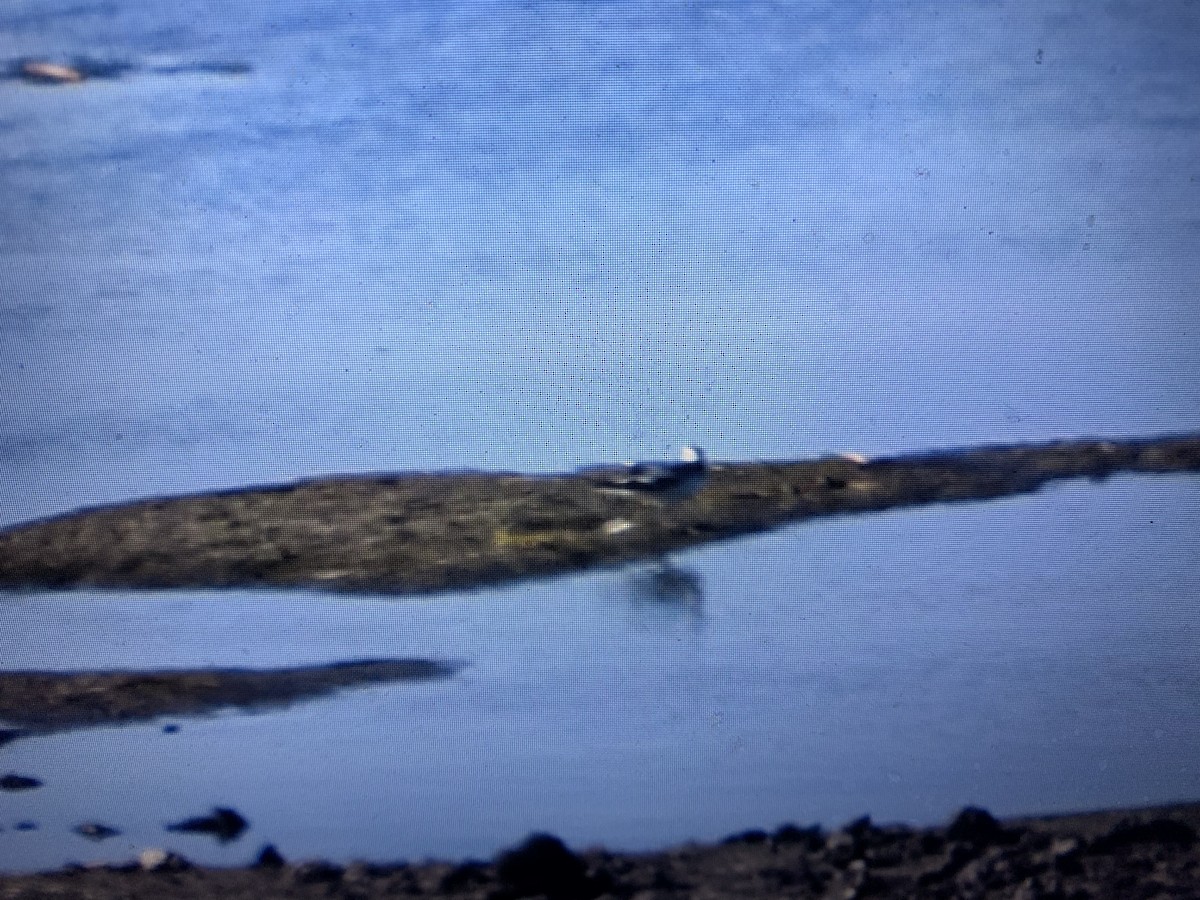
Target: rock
[152,858]
[866,834]
[860,827]
[1128,833]
[812,837]
[170,729]
[360,872]
[49,73]
[316,871]
[975,826]
[269,858]
[223,823]
[543,865]
[932,843]
[14,782]
[25,825]
[463,877]
[958,854]
[840,848]
[95,831]
[752,836]
[1029,889]
[155,859]
[1066,853]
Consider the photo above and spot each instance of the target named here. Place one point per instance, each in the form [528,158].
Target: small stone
[1068,846]
[463,877]
[155,859]
[976,826]
[811,837]
[316,872]
[151,858]
[617,526]
[840,848]
[1128,833]
[15,782]
[359,871]
[932,843]
[25,825]
[170,729]
[752,836]
[269,858]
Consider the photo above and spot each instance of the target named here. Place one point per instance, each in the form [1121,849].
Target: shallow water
[423,237]
[1032,655]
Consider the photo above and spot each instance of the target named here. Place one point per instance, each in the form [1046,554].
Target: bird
[657,481]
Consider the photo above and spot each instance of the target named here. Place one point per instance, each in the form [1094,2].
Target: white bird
[659,481]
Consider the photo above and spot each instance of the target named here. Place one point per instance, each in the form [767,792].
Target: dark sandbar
[40,702]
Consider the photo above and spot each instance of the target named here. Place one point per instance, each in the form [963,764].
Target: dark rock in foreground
[55,701]
[1120,854]
[434,531]
[542,866]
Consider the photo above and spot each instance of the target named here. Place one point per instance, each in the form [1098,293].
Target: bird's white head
[691,455]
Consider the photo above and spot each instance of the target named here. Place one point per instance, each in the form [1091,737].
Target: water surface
[535,236]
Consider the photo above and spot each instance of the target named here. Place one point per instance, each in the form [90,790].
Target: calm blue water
[534,236]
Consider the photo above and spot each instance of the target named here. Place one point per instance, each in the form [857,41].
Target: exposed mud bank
[41,702]
[421,532]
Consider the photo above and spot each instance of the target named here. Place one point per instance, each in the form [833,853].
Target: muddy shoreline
[423,532]
[33,703]
[1151,852]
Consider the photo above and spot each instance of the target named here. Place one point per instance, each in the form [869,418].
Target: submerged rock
[44,72]
[15,782]
[157,860]
[223,823]
[95,831]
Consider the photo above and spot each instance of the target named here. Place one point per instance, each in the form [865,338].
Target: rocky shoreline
[1142,853]
[421,532]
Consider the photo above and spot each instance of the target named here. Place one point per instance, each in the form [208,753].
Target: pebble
[155,859]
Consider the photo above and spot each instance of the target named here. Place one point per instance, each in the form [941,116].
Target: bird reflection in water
[671,589]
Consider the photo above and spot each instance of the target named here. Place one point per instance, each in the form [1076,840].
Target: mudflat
[42,702]
[419,532]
